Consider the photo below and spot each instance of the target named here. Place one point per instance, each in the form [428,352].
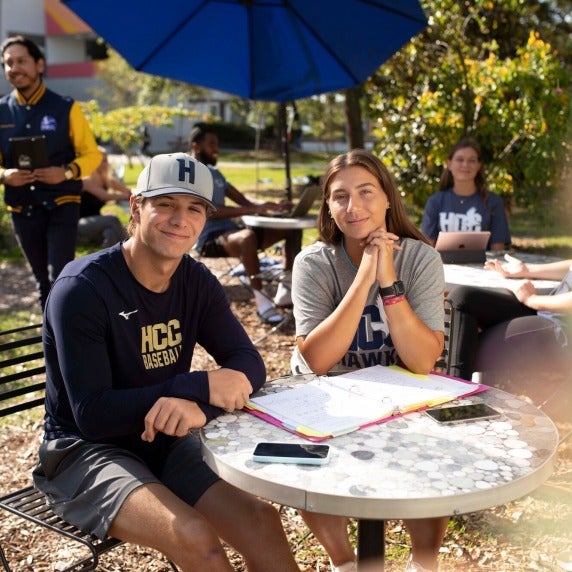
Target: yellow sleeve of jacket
[88,157]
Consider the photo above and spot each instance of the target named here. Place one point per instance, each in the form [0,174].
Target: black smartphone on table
[291,453]
[461,413]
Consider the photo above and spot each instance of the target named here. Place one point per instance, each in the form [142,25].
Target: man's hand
[229,389]
[173,416]
[18,177]
[284,205]
[50,175]
[269,206]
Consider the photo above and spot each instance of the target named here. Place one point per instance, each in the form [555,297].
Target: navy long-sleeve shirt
[113,347]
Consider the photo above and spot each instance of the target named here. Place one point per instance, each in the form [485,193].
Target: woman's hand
[524,291]
[513,268]
[369,263]
[385,243]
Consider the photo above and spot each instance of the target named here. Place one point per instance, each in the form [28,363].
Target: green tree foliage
[122,126]
[132,99]
[481,68]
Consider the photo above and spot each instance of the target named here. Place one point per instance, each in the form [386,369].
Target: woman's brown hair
[396,219]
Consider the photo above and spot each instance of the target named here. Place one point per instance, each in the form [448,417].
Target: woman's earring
[388,205]
[330,214]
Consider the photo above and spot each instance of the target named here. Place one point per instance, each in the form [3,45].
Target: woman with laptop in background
[464,202]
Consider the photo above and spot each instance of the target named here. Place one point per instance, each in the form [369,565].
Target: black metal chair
[22,388]
[443,363]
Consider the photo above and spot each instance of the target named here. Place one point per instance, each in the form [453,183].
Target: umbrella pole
[286,149]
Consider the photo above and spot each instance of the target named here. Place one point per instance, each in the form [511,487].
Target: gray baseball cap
[176,173]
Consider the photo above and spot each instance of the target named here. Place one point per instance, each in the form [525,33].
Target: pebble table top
[410,467]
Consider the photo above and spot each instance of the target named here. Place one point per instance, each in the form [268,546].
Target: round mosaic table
[410,467]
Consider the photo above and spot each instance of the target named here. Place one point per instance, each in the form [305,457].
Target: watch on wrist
[396,289]
[68,173]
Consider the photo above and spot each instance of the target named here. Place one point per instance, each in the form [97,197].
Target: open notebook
[330,406]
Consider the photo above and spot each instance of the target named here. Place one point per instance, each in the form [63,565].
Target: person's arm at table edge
[514,267]
[224,338]
[245,205]
[558,303]
[549,270]
[327,343]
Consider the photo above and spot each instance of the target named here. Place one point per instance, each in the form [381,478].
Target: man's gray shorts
[86,483]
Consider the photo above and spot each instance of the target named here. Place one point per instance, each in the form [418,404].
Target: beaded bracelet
[389,300]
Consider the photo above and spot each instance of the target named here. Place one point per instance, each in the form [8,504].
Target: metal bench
[22,387]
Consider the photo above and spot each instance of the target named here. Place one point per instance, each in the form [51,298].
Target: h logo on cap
[186,167]
[176,173]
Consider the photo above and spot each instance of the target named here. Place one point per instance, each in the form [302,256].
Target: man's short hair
[31,46]
[199,131]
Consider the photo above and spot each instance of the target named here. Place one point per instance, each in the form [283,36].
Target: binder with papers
[330,406]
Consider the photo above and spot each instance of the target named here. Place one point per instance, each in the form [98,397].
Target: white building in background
[72,49]
[68,44]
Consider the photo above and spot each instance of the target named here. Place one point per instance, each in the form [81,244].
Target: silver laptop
[463,247]
[303,206]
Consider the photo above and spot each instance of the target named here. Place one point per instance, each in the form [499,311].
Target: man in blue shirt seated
[119,457]
[223,236]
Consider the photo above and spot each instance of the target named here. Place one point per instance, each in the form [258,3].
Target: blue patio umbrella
[268,50]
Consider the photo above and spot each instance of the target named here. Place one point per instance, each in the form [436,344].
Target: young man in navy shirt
[121,325]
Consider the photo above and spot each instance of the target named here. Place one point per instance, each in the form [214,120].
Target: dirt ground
[523,535]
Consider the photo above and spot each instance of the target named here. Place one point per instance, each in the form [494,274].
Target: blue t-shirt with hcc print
[113,347]
[445,211]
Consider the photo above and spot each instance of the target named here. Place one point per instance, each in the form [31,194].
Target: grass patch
[10,319]
[544,234]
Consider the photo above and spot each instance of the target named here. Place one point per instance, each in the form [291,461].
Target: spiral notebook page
[329,406]
[321,408]
[399,386]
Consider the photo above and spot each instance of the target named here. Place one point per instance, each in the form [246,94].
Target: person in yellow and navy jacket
[43,202]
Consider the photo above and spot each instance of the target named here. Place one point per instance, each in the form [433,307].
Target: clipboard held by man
[30,152]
